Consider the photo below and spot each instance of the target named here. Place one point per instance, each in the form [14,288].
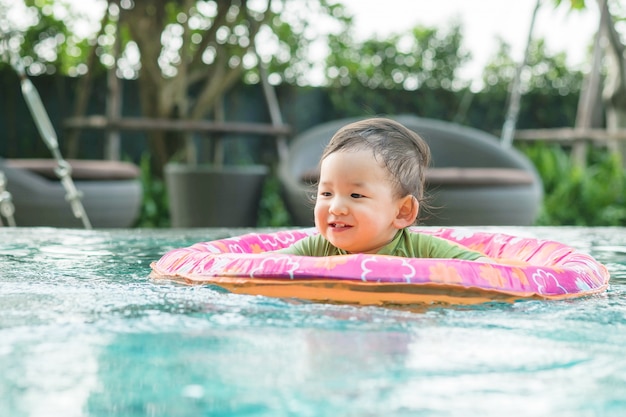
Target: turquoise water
[83,332]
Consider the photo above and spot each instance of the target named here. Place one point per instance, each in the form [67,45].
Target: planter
[209,196]
[111,192]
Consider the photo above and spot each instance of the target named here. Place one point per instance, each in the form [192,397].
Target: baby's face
[355,207]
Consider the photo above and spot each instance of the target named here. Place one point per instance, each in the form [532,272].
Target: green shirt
[406,244]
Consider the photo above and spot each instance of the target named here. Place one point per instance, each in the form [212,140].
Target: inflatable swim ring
[527,268]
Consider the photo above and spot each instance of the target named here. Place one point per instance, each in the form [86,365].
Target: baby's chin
[339,245]
[351,248]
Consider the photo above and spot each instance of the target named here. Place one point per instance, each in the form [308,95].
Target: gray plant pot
[208,196]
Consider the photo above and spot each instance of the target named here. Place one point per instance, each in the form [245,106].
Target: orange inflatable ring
[524,268]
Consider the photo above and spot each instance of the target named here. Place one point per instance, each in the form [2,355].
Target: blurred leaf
[589,195]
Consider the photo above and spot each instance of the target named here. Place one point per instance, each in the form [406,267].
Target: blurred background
[232,83]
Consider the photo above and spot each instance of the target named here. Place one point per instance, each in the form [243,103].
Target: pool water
[84,332]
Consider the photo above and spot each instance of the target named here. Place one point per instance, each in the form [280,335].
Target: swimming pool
[83,332]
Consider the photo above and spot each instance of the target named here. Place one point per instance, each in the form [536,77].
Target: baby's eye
[324,193]
[356,195]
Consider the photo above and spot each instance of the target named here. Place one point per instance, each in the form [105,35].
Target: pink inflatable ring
[526,268]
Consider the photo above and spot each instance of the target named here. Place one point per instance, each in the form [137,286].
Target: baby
[369,192]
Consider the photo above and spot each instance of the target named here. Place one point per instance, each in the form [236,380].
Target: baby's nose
[338,206]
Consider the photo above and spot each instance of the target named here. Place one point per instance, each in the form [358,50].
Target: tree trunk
[167,97]
[614,92]
[83,91]
[589,111]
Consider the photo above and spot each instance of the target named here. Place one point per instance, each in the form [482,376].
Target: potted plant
[215,194]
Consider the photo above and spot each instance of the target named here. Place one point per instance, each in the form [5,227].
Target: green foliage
[589,195]
[296,27]
[46,36]
[154,205]
[545,71]
[272,210]
[574,4]
[424,57]
[380,76]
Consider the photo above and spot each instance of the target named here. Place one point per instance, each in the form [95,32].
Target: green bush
[154,205]
[590,194]
[272,210]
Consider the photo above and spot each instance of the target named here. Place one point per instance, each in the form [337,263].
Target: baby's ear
[407,212]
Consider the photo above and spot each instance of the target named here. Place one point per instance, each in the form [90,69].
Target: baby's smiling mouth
[338,225]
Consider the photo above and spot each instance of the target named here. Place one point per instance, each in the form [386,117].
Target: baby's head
[371,183]
[403,152]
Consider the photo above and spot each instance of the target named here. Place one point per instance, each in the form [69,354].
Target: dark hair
[403,152]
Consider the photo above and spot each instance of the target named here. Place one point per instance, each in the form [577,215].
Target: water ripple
[83,331]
